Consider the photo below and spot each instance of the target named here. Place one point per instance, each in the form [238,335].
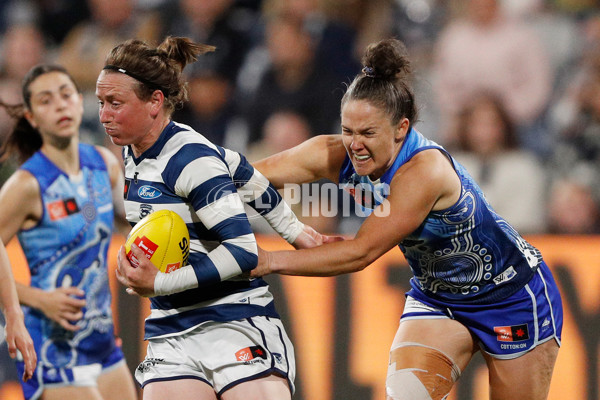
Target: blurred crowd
[510,87]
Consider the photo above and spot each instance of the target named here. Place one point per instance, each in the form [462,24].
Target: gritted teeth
[361,157]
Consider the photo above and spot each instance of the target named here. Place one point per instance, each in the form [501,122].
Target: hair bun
[387,59]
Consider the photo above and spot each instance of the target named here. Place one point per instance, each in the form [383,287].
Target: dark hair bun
[387,59]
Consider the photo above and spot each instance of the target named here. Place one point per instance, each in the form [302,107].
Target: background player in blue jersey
[17,337]
[477,284]
[213,331]
[60,204]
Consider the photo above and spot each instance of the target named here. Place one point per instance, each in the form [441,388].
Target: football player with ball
[213,332]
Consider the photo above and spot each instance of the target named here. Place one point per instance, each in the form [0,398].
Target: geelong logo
[147,192]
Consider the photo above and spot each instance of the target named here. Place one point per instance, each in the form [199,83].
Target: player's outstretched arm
[312,160]
[417,188]
[318,158]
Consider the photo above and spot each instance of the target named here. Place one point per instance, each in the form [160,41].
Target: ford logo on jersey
[148,192]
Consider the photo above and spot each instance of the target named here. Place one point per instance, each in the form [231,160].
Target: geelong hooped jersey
[465,253]
[68,247]
[186,173]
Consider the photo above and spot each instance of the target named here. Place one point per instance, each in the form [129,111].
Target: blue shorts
[508,328]
[82,375]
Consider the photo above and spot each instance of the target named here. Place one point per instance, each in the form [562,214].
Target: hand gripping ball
[165,239]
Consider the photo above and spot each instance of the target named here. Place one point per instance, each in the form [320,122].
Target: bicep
[20,203]
[317,158]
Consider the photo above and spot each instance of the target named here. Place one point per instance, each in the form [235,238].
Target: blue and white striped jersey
[186,173]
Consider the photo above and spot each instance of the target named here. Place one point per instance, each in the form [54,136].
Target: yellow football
[165,239]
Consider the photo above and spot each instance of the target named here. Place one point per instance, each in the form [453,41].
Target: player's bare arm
[17,337]
[419,187]
[317,158]
[15,213]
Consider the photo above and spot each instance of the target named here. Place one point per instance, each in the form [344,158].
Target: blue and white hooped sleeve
[256,191]
[200,175]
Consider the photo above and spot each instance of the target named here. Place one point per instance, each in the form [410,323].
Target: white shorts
[222,354]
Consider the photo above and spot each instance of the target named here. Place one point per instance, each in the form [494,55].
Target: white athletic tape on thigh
[435,371]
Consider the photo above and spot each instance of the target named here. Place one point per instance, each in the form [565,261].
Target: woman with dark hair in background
[60,205]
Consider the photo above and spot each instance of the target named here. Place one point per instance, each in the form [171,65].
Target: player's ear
[157,100]
[28,115]
[401,129]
